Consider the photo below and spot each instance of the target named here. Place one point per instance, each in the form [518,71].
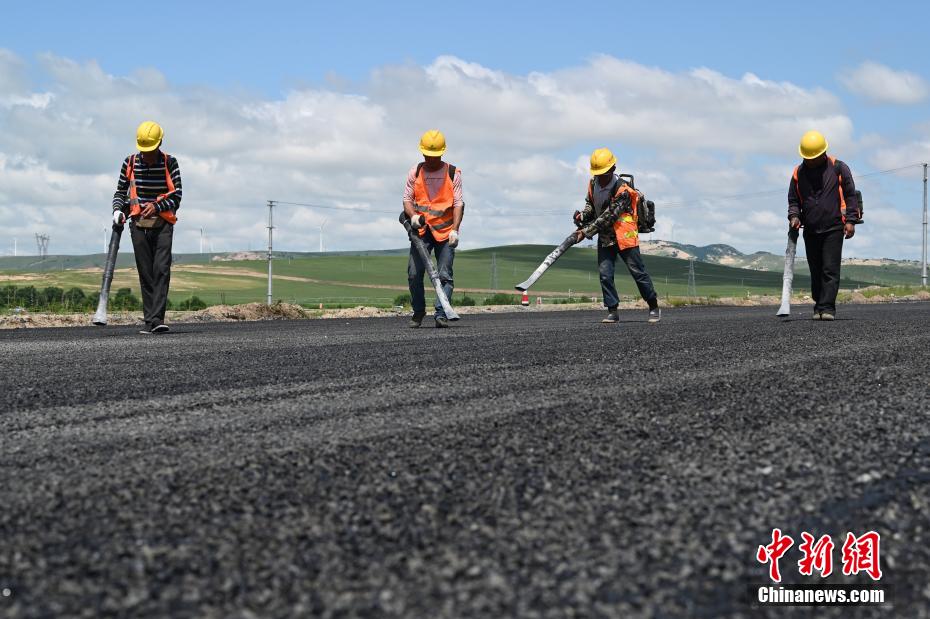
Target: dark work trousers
[607,264]
[153,261]
[824,253]
[416,268]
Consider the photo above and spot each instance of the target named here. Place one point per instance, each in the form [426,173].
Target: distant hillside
[894,270]
[35,264]
[717,254]
[722,264]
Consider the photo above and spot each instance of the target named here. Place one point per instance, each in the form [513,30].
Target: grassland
[376,279]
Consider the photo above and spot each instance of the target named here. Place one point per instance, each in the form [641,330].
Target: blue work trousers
[607,264]
[416,268]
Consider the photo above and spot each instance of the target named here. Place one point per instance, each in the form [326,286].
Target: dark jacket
[599,218]
[818,206]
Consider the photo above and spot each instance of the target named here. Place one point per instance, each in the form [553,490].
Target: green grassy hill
[376,278]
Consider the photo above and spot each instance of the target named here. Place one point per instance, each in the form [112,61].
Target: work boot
[655,315]
[146,330]
[827,316]
[816,316]
[442,322]
[416,320]
[161,328]
[612,315]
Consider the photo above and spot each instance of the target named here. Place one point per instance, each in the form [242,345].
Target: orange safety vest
[626,228]
[839,180]
[438,211]
[135,208]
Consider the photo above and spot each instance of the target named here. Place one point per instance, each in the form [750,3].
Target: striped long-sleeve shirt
[150,183]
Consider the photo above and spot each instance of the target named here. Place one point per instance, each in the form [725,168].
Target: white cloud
[880,84]
[521,140]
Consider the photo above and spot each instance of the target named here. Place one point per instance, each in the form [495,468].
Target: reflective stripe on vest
[839,186]
[135,208]
[438,210]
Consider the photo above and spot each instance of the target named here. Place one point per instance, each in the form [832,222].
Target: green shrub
[26,297]
[402,299]
[191,305]
[52,296]
[466,300]
[126,301]
[501,298]
[74,298]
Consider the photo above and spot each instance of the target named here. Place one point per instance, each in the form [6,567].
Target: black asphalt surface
[516,465]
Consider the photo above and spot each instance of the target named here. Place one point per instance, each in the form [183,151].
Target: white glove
[417,222]
[119,218]
[454,239]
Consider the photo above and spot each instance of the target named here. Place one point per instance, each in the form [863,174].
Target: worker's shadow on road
[799,320]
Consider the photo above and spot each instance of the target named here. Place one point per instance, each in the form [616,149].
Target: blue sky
[266,52]
[274,45]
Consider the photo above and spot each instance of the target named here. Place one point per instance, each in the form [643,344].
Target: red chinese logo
[860,554]
[817,556]
[773,552]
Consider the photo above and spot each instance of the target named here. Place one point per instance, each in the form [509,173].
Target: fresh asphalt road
[532,465]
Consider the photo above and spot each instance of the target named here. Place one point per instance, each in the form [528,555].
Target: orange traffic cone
[525,301]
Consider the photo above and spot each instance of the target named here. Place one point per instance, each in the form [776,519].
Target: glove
[119,218]
[417,222]
[794,222]
[577,217]
[454,239]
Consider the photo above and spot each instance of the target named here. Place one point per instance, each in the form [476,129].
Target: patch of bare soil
[26,319]
[249,311]
[239,255]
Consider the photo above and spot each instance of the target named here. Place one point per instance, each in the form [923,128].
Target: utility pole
[692,287]
[923,242]
[270,228]
[321,234]
[14,246]
[42,244]
[201,240]
[106,241]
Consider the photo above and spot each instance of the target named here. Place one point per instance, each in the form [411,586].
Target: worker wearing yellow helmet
[148,193]
[611,211]
[433,203]
[822,198]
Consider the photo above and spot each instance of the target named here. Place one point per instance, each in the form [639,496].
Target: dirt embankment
[288,311]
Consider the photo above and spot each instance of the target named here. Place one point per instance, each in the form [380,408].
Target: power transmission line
[561,212]
[336,208]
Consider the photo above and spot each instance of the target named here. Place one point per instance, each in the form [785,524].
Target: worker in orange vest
[822,197]
[611,211]
[433,203]
[149,193]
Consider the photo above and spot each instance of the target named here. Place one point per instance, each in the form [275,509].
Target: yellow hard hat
[813,144]
[601,161]
[149,136]
[433,143]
